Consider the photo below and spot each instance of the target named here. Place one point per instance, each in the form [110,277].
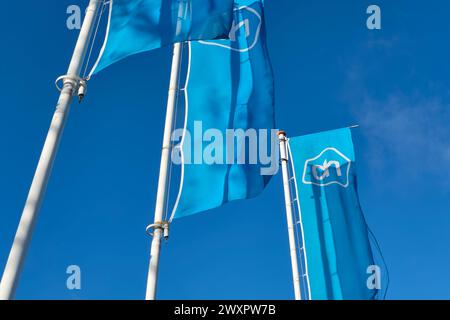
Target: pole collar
[73,80]
[161,225]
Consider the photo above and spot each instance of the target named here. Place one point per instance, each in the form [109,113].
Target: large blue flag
[338,254]
[229,92]
[141,25]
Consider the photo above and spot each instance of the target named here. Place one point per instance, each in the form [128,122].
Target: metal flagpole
[289,215]
[71,83]
[159,225]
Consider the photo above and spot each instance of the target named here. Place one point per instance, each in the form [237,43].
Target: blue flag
[229,92]
[136,26]
[339,258]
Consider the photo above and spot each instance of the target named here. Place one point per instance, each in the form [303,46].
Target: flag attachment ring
[163,225]
[79,85]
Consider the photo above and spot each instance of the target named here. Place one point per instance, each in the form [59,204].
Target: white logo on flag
[329,167]
[251,23]
[235,28]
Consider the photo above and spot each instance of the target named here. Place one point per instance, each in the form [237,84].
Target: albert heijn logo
[245,30]
[329,167]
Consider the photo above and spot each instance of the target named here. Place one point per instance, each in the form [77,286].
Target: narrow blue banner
[339,259]
[136,26]
[229,92]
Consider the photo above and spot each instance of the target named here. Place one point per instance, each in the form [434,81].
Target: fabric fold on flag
[230,87]
[339,259]
[136,26]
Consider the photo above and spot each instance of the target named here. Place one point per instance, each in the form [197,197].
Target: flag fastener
[164,226]
[77,84]
[82,89]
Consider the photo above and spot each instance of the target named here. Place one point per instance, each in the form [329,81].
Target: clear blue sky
[330,70]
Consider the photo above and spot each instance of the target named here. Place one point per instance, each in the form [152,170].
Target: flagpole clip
[163,225]
[78,85]
[62,80]
[82,89]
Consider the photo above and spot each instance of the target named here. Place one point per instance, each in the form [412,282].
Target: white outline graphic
[258,31]
[331,182]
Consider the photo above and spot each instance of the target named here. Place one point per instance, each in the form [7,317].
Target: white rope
[300,245]
[99,19]
[172,143]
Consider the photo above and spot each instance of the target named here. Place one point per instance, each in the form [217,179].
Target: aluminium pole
[36,193]
[289,215]
[161,195]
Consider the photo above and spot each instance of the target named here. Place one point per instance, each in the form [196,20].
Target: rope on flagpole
[161,195]
[99,19]
[297,225]
[164,224]
[289,215]
[172,144]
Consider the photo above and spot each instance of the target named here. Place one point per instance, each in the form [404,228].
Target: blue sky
[330,72]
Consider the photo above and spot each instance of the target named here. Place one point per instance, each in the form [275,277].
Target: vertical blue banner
[229,86]
[338,254]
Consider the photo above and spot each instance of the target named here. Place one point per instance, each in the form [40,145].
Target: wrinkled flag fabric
[230,86]
[136,26]
[339,259]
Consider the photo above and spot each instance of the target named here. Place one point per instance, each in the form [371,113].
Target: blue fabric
[142,25]
[335,233]
[230,87]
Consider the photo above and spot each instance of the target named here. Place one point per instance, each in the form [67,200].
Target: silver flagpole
[71,83]
[289,216]
[159,225]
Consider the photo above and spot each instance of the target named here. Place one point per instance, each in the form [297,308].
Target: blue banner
[136,26]
[229,92]
[339,258]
